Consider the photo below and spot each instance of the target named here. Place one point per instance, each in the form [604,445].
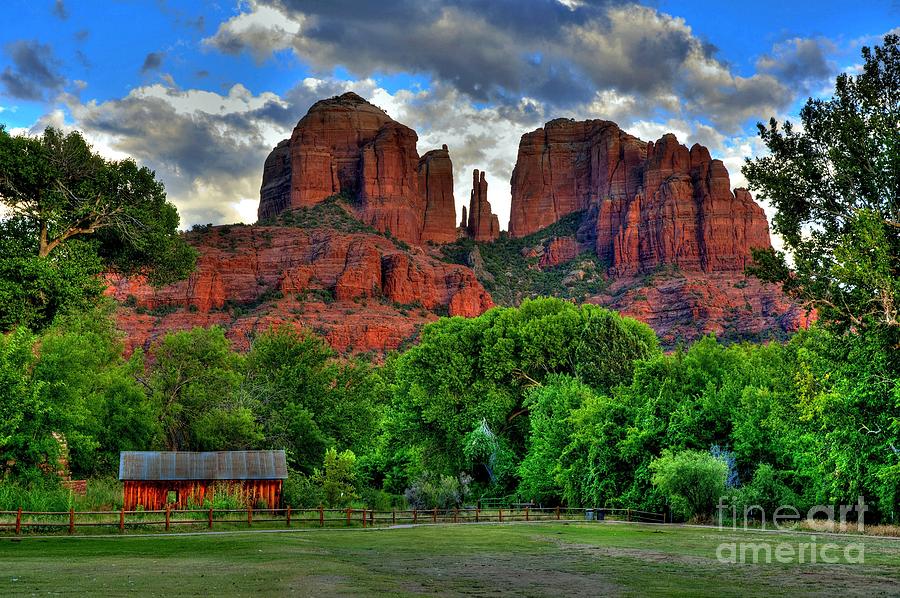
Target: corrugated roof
[218,465]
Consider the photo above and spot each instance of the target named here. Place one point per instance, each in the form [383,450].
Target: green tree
[468,371]
[835,186]
[308,400]
[196,383]
[550,411]
[68,203]
[337,478]
[693,481]
[100,408]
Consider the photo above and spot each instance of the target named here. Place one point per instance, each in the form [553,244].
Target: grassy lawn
[518,559]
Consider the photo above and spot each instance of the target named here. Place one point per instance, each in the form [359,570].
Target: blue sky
[200,91]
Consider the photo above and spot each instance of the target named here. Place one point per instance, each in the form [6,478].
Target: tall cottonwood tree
[72,214]
[835,185]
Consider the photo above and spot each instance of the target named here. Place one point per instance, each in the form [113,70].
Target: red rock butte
[345,145]
[645,204]
[642,206]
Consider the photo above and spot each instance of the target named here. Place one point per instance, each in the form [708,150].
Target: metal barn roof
[219,465]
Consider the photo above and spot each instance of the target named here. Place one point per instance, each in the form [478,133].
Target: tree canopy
[72,214]
[835,185]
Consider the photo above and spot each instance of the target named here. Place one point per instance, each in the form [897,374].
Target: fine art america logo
[820,518]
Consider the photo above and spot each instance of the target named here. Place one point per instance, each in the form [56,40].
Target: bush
[44,495]
[693,481]
[767,490]
[300,492]
[443,492]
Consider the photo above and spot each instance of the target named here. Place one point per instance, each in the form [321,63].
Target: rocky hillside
[357,238]
[318,268]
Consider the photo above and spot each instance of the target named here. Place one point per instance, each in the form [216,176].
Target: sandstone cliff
[345,145]
[646,204]
[436,187]
[482,225]
[360,291]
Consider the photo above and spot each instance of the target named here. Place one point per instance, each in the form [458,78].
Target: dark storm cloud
[801,61]
[152,61]
[33,72]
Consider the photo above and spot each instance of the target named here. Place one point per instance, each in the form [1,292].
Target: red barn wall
[152,495]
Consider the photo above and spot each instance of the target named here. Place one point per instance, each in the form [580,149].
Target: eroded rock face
[275,193]
[648,204]
[346,145]
[685,306]
[483,225]
[351,288]
[436,187]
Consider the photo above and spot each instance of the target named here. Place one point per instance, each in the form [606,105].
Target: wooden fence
[71,520]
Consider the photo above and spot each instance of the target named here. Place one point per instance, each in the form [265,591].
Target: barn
[153,479]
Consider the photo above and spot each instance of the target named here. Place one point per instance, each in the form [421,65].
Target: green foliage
[835,185]
[74,214]
[468,373]
[195,384]
[308,401]
[511,277]
[300,491]
[439,491]
[337,478]
[550,409]
[693,481]
[34,289]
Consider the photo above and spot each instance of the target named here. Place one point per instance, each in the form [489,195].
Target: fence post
[321,516]
[72,520]
[210,518]
[477,513]
[393,516]
[364,518]
[167,516]
[289,516]
[456,515]
[500,513]
[434,515]
[349,511]
[19,521]
[415,516]
[372,517]
[557,512]
[629,514]
[122,520]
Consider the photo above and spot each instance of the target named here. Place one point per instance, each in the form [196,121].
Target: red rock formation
[684,306]
[650,204]
[558,251]
[281,274]
[436,188]
[346,145]
[483,225]
[562,167]
[275,193]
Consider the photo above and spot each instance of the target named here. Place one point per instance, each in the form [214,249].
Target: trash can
[600,514]
[589,514]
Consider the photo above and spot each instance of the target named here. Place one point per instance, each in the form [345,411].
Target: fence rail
[21,520]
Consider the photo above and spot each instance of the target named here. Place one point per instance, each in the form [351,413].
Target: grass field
[538,559]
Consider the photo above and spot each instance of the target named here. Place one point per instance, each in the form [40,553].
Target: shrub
[693,481]
[299,491]
[443,492]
